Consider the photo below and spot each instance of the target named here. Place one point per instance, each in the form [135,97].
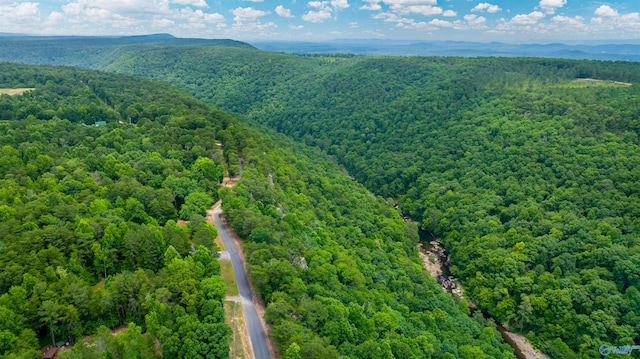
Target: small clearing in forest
[15,91]
[601,83]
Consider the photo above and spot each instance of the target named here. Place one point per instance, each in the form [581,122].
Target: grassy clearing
[239,343]
[16,91]
[579,83]
[226,272]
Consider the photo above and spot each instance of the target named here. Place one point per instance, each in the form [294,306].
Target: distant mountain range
[593,51]
[10,34]
[150,36]
[627,50]
[120,40]
[95,52]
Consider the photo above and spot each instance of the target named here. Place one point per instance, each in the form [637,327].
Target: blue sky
[492,20]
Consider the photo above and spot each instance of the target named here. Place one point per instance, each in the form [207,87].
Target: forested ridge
[93,52]
[88,234]
[336,265]
[525,168]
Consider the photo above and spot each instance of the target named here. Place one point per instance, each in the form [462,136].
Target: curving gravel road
[256,331]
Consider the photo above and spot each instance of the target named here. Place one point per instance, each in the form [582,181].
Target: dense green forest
[89,240]
[339,269]
[525,168]
[88,234]
[526,172]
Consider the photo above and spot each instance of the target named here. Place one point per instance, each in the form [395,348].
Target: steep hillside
[525,168]
[88,233]
[88,210]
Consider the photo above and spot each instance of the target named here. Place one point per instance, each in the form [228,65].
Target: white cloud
[19,17]
[200,16]
[475,22]
[388,17]
[485,6]
[631,18]
[133,10]
[568,20]
[409,2]
[426,10]
[522,23]
[163,23]
[392,18]
[243,14]
[470,22]
[405,7]
[53,18]
[407,23]
[26,10]
[247,20]
[470,17]
[550,6]
[196,3]
[256,27]
[373,5]
[184,18]
[187,18]
[125,7]
[317,16]
[73,8]
[339,4]
[610,20]
[282,11]
[317,4]
[606,23]
[606,11]
[552,3]
[571,27]
[421,7]
[420,26]
[527,19]
[441,23]
[118,17]
[325,10]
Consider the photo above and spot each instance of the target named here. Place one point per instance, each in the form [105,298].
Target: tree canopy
[525,168]
[87,223]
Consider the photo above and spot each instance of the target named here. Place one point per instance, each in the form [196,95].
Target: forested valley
[96,170]
[527,169]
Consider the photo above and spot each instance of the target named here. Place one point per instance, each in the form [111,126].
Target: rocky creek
[436,259]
